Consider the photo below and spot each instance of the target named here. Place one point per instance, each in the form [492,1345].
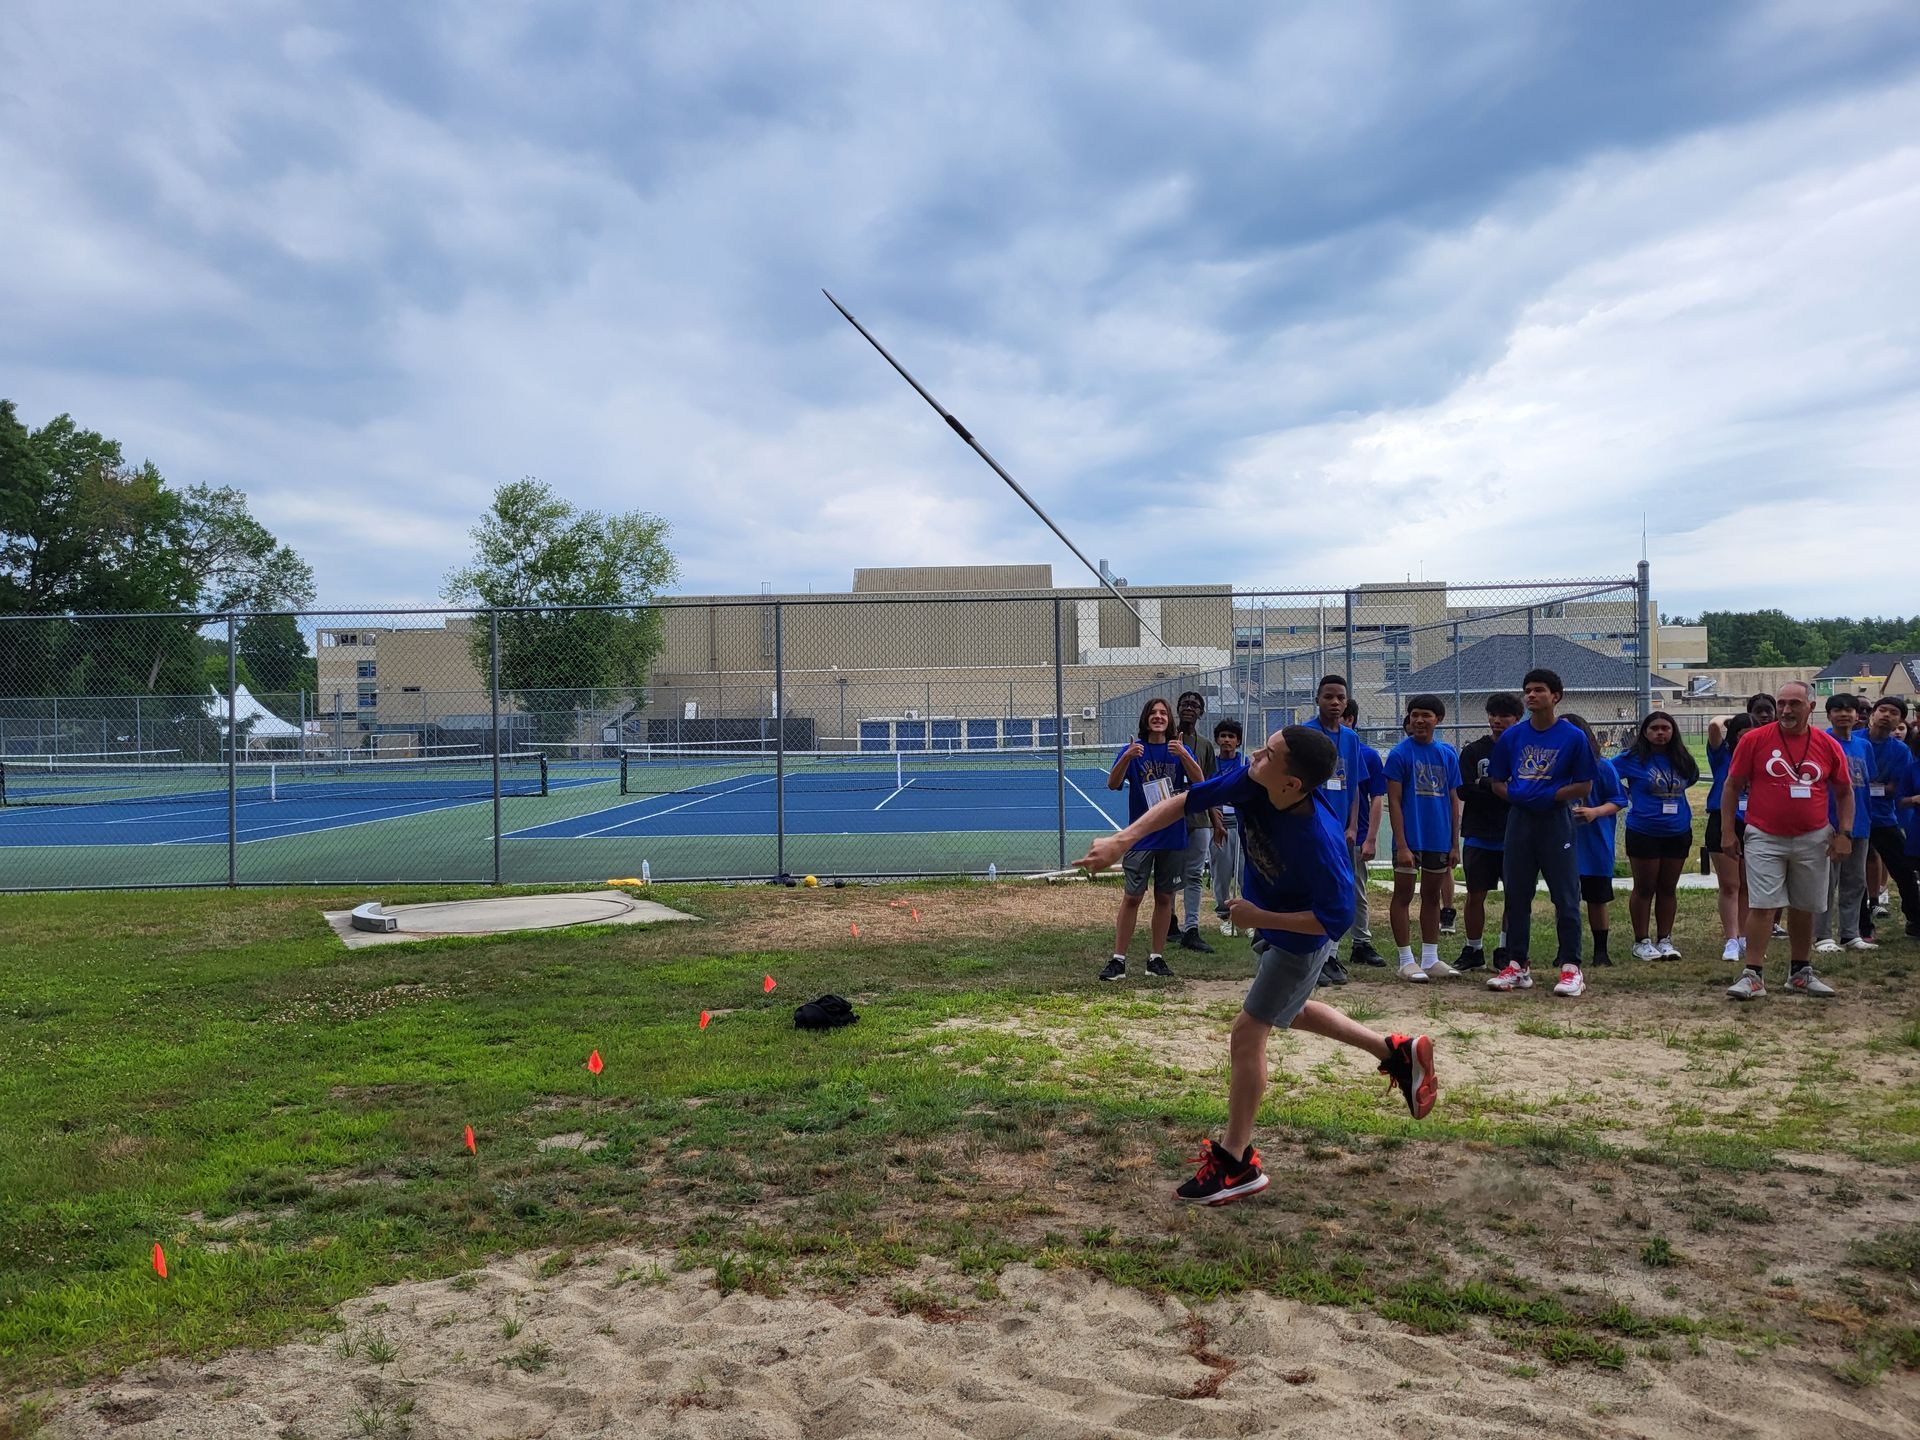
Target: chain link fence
[725,738]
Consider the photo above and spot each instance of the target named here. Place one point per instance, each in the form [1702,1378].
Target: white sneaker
[1828,947]
[1511,978]
[1779,931]
[1572,982]
[1748,987]
[1667,949]
[1226,927]
[1860,942]
[1645,950]
[1411,971]
[1439,970]
[1735,949]
[1804,982]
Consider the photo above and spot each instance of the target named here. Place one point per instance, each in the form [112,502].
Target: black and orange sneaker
[1409,1065]
[1221,1179]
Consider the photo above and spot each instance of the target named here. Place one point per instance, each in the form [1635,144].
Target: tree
[533,549]
[275,654]
[1768,656]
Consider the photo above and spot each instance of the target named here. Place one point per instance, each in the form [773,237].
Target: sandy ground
[1061,1356]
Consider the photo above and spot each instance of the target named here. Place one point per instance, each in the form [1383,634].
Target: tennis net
[672,770]
[54,780]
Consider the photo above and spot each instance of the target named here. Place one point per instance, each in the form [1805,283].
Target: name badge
[1156,790]
[1670,807]
[1800,792]
[1741,808]
[1876,789]
[1336,783]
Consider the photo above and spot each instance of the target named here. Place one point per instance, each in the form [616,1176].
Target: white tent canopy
[256,723]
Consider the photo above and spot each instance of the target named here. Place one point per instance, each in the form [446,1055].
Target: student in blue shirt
[1907,807]
[1147,767]
[1422,775]
[1848,915]
[1891,761]
[1373,796]
[1224,862]
[1296,885]
[1656,771]
[1343,786]
[1593,843]
[1541,767]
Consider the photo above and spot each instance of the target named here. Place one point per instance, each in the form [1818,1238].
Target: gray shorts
[1284,982]
[1163,869]
[1787,872]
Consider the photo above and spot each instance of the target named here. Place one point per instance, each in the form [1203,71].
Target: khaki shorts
[1787,872]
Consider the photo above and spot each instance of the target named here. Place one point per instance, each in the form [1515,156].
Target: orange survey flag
[593,1063]
[470,1145]
[766,987]
[159,1261]
[704,1018]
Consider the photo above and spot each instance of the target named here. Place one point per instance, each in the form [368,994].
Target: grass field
[1612,1183]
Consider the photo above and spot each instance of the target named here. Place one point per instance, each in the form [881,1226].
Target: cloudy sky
[1349,293]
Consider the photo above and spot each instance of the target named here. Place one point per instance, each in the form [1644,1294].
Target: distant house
[1887,673]
[1599,687]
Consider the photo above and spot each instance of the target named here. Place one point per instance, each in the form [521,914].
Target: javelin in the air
[980,450]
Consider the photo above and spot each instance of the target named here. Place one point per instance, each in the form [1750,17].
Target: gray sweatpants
[1845,887]
[1199,841]
[1225,860]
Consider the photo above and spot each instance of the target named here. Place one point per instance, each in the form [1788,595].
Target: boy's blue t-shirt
[1536,763]
[1859,751]
[1373,781]
[1719,757]
[1347,768]
[1427,775]
[1223,766]
[1593,842]
[1891,761]
[1656,795]
[1155,762]
[1910,814]
[1290,860]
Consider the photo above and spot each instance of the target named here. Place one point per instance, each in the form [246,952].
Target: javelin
[980,450]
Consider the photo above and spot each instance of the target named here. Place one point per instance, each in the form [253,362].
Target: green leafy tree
[568,669]
[276,655]
[1769,657]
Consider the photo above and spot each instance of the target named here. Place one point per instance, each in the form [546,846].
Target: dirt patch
[818,919]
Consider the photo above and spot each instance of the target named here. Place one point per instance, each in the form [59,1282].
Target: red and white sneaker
[1221,1179]
[1514,977]
[1571,981]
[1409,1066]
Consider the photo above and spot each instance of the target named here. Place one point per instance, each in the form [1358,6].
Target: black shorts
[1712,843]
[1483,868]
[1427,861]
[1596,889]
[1642,846]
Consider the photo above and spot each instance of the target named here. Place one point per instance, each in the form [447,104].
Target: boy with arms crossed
[1483,830]
[1422,774]
[1297,894]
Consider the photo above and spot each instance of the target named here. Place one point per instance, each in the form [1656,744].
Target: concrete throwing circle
[519,912]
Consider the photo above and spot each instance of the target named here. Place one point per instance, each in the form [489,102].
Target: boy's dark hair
[1580,724]
[1144,709]
[1543,677]
[1311,758]
[1505,702]
[1678,757]
[1428,702]
[1326,680]
[1738,726]
[1761,698]
[1893,702]
[1842,702]
[1186,695]
[1352,713]
[1228,727]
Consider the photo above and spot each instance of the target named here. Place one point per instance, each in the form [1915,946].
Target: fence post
[1060,732]
[1353,684]
[233,763]
[1459,720]
[493,696]
[1533,648]
[1643,638]
[779,740]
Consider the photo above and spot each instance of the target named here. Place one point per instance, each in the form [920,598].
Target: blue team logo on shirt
[1536,762]
[1661,781]
[1429,779]
[1857,766]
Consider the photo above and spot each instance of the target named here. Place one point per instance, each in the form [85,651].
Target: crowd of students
[1805,829]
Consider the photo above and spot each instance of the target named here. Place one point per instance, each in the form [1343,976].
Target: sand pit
[623,1345]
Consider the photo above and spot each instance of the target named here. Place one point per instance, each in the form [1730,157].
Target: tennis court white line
[1089,799]
[655,814]
[896,795]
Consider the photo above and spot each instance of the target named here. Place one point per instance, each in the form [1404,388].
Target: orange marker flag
[470,1145]
[766,987]
[704,1018]
[159,1260]
[856,931]
[594,1063]
[916,914]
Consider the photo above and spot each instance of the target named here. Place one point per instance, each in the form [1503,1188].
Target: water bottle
[646,872]
[993,871]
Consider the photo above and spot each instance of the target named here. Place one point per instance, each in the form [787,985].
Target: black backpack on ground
[827,1013]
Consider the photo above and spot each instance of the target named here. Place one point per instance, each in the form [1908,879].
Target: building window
[349,639]
[368,700]
[326,639]
[366,669]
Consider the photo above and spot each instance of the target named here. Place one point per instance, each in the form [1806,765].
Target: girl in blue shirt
[1656,772]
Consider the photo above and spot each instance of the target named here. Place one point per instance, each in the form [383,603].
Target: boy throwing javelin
[1296,891]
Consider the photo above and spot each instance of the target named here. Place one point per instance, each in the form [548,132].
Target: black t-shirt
[1483,814]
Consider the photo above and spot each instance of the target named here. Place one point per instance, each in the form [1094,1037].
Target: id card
[1336,783]
[1670,807]
[1800,792]
[1876,789]
[1156,790]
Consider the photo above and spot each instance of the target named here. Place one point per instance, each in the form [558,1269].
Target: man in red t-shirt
[1785,770]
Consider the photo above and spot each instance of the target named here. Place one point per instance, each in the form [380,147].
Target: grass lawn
[215,1072]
